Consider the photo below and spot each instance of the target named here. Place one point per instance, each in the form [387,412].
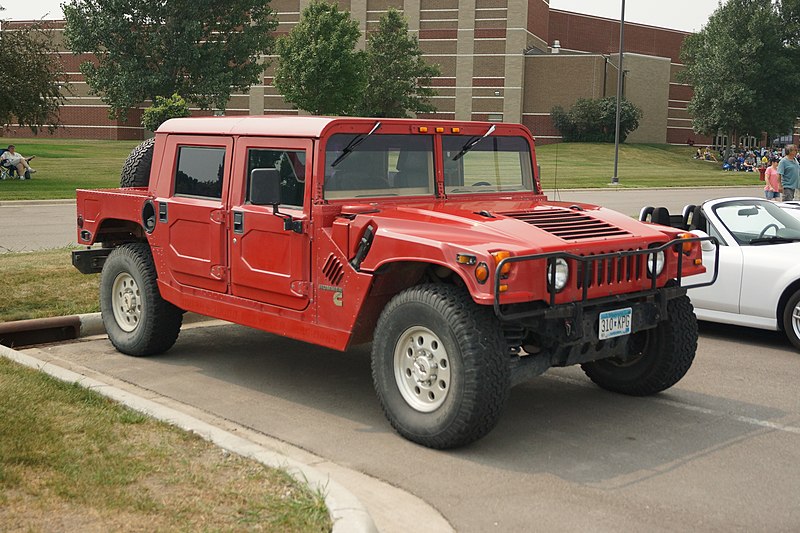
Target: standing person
[789,171]
[772,188]
[12,158]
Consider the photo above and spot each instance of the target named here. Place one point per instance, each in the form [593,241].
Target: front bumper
[592,266]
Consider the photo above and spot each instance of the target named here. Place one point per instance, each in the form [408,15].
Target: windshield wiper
[472,142]
[773,240]
[353,144]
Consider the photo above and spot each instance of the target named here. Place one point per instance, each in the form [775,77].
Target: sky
[688,15]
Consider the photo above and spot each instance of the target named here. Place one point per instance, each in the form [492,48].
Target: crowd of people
[780,166]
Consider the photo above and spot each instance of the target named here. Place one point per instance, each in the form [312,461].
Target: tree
[591,120]
[743,70]
[31,92]
[398,79]
[201,49]
[319,69]
[164,109]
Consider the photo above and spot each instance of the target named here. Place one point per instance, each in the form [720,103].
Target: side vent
[333,270]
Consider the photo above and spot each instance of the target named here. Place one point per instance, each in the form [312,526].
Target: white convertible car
[758,283]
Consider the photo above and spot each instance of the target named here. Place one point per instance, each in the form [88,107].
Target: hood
[521,227]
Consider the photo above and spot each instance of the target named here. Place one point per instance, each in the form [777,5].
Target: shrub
[595,120]
[164,109]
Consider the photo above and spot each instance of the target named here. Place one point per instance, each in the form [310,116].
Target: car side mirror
[706,246]
[265,187]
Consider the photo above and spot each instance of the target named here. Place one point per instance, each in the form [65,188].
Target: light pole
[615,178]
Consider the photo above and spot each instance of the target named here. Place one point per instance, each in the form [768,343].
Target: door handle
[238,222]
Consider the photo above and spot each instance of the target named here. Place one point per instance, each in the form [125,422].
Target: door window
[200,171]
[290,165]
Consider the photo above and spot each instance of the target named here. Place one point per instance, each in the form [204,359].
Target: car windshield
[380,165]
[495,164]
[756,222]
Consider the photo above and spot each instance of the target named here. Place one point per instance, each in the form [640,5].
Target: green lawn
[589,165]
[65,165]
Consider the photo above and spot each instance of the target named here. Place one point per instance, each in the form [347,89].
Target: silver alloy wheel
[796,320]
[126,301]
[422,369]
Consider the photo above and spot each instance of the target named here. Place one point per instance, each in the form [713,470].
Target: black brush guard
[573,309]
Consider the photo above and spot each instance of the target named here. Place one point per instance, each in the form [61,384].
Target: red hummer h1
[432,239]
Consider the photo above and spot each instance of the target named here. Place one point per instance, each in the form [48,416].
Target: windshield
[755,222]
[380,165]
[495,164]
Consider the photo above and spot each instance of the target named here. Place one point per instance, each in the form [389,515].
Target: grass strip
[44,284]
[71,459]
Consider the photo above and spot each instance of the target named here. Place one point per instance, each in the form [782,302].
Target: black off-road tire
[662,355]
[143,323]
[478,376]
[792,332]
[136,170]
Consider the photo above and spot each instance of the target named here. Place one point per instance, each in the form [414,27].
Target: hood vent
[567,224]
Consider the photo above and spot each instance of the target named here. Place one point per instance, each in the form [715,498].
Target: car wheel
[791,319]
[137,320]
[657,358]
[439,366]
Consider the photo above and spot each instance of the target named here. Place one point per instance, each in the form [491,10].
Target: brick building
[501,60]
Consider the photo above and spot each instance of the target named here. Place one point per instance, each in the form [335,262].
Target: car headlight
[558,274]
[659,263]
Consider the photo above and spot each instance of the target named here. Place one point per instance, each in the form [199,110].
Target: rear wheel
[657,358]
[791,319]
[138,321]
[439,366]
[136,170]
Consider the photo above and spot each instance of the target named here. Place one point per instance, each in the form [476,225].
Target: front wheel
[439,366]
[791,320]
[657,358]
[137,320]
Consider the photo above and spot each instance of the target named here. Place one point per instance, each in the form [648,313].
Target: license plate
[615,323]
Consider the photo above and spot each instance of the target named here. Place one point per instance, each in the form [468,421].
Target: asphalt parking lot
[718,452]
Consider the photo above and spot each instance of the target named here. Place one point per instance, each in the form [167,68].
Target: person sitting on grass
[12,158]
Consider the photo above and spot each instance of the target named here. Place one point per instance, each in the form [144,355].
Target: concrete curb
[347,512]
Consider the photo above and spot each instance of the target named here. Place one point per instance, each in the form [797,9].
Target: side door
[194,212]
[269,263]
[724,294]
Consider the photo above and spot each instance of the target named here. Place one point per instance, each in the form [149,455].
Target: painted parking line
[696,409]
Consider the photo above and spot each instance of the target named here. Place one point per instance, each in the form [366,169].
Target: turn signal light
[482,272]
[465,259]
[687,246]
[698,261]
[499,256]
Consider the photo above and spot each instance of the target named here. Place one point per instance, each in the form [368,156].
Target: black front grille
[567,224]
[609,271]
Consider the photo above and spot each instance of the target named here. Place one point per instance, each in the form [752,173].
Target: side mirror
[265,187]
[706,246]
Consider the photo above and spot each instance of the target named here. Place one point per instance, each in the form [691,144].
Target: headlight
[659,263]
[558,274]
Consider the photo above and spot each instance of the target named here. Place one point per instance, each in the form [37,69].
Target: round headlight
[558,274]
[659,263]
